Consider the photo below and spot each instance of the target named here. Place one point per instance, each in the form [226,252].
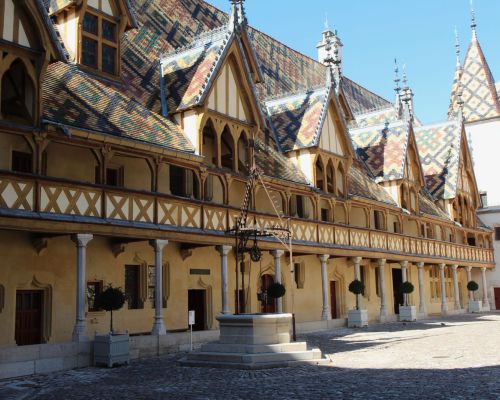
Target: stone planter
[407,313]
[475,306]
[357,318]
[111,349]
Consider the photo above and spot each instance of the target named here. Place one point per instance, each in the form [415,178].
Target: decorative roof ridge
[199,41]
[453,121]
[388,124]
[324,112]
[292,94]
[53,32]
[378,110]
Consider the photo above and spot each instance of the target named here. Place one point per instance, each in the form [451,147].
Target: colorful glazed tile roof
[439,150]
[478,86]
[360,99]
[388,114]
[186,72]
[362,185]
[383,149]
[77,99]
[274,164]
[297,119]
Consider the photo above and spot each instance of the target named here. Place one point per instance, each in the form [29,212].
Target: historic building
[128,130]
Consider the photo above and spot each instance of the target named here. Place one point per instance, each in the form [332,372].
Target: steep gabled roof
[361,184]
[77,99]
[387,114]
[439,149]
[360,99]
[296,119]
[383,149]
[478,87]
[429,207]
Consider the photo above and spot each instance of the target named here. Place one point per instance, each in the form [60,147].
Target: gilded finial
[473,24]
[457,47]
[397,87]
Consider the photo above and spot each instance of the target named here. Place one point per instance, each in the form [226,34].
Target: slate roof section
[360,99]
[297,119]
[383,149]
[427,206]
[276,165]
[479,92]
[77,99]
[439,150]
[388,114]
[362,185]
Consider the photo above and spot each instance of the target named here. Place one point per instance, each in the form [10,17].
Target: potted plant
[275,291]
[112,348]
[357,318]
[407,312]
[475,306]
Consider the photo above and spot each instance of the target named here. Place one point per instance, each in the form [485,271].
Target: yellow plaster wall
[329,136]
[70,162]
[9,143]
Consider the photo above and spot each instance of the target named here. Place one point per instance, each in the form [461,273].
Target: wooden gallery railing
[53,196]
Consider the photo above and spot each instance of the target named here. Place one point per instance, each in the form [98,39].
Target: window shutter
[306,207]
[209,188]
[293,205]
[188,182]
[165,283]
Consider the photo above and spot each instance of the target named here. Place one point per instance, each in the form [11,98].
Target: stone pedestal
[253,341]
[357,318]
[475,306]
[407,313]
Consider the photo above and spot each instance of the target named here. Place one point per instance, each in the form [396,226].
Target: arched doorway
[267,306]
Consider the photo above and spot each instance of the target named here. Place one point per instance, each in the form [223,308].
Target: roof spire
[397,87]
[405,78]
[327,26]
[457,48]
[237,17]
[473,20]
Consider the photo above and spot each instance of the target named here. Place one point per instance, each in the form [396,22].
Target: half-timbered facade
[127,134]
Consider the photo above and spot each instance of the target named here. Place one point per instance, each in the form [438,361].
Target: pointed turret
[479,94]
[453,107]
[398,105]
[330,53]
[237,17]
[407,98]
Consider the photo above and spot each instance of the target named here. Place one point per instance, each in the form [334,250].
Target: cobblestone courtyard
[454,357]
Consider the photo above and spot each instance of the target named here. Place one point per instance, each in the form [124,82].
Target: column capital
[356,260]
[404,264]
[441,266]
[381,262]
[324,257]
[82,239]
[469,269]
[277,253]
[158,244]
[224,249]
[483,269]
[420,264]
[454,267]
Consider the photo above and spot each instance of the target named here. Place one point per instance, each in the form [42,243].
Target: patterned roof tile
[439,150]
[360,184]
[383,149]
[388,114]
[427,206]
[78,99]
[296,119]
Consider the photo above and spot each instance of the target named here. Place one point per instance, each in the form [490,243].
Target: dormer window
[99,43]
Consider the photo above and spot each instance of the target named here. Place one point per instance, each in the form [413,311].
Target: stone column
[81,240]
[158,324]
[326,313]
[383,303]
[469,278]
[455,288]
[357,275]
[223,251]
[404,277]
[422,308]
[444,306]
[486,302]
[277,275]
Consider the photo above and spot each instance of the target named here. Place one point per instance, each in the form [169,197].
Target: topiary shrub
[406,289]
[357,287]
[473,287]
[276,290]
[111,299]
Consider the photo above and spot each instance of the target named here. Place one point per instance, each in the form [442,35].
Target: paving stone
[443,358]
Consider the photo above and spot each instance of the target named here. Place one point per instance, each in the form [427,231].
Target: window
[18,94]
[132,286]
[379,220]
[300,206]
[497,233]
[93,290]
[22,162]
[183,182]
[114,176]
[151,285]
[397,227]
[325,214]
[99,43]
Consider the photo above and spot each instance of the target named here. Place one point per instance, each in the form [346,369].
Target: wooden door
[267,306]
[28,317]
[397,280]
[497,298]
[333,299]
[197,302]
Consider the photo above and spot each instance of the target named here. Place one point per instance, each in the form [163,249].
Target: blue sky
[419,34]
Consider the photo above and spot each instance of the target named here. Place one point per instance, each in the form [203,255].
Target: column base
[158,328]
[326,315]
[444,310]
[79,333]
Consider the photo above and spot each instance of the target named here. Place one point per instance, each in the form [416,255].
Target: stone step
[258,358]
[252,349]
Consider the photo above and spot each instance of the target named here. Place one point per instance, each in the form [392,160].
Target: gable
[329,139]
[16,27]
[413,168]
[106,6]
[466,181]
[227,95]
